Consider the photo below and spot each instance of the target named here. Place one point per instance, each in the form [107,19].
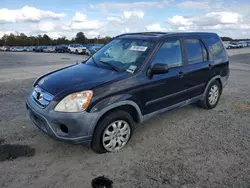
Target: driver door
[165,90]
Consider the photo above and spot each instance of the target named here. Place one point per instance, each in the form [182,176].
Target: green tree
[226,39]
[81,38]
[24,40]
[11,40]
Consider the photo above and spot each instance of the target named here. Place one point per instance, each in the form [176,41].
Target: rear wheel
[113,132]
[212,95]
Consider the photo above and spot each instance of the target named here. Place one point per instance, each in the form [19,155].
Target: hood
[76,78]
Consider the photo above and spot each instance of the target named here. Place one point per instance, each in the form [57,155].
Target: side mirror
[159,68]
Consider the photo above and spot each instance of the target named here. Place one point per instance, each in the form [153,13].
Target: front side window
[123,54]
[194,51]
[170,54]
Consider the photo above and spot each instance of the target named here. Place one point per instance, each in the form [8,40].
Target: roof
[161,35]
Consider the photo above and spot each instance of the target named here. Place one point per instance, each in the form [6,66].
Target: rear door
[198,66]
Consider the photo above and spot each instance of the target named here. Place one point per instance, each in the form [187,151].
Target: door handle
[181,74]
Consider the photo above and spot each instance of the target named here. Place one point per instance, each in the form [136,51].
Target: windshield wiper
[112,66]
[94,61]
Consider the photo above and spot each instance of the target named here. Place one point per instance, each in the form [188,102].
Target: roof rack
[143,33]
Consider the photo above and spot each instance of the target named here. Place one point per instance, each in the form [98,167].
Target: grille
[41,97]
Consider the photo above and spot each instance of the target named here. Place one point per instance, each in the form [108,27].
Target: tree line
[24,40]
[80,38]
[230,39]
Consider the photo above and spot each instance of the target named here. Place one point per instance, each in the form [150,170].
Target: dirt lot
[188,147]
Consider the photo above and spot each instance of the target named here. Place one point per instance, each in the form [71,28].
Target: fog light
[64,129]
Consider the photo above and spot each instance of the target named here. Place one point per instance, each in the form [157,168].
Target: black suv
[131,79]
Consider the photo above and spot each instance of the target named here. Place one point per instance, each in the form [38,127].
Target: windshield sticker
[138,48]
[131,69]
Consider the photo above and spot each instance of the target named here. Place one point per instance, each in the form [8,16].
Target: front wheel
[112,132]
[212,95]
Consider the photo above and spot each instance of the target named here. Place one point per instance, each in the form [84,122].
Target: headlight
[75,102]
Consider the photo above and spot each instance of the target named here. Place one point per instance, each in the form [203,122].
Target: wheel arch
[129,106]
[217,78]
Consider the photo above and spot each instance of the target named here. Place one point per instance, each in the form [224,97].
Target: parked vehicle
[90,50]
[226,44]
[76,48]
[242,44]
[5,48]
[19,49]
[12,49]
[61,48]
[131,79]
[233,45]
[28,48]
[39,48]
[49,49]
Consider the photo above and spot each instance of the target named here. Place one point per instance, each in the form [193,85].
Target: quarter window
[195,51]
[216,49]
[170,54]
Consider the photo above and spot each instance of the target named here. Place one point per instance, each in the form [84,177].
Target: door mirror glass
[159,68]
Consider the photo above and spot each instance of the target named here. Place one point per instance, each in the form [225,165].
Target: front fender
[111,103]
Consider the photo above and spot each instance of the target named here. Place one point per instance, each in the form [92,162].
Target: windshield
[123,54]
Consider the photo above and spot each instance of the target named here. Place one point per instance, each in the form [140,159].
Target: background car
[5,48]
[19,49]
[13,49]
[28,48]
[49,49]
[233,45]
[62,48]
[76,48]
[226,44]
[39,48]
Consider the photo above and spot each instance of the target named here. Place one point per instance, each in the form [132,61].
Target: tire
[210,100]
[76,51]
[105,125]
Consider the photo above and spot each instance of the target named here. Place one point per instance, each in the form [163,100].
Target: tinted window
[170,54]
[194,51]
[216,49]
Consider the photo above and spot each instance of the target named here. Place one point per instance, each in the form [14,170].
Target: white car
[12,49]
[76,48]
[244,44]
[233,45]
[226,44]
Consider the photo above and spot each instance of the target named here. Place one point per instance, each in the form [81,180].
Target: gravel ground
[187,147]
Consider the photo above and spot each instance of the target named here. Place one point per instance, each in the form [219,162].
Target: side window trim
[205,48]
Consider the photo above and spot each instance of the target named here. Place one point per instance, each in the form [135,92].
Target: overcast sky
[109,18]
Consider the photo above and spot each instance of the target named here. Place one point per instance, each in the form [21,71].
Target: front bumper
[73,128]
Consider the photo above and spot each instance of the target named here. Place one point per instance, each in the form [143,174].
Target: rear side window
[170,54]
[195,51]
[216,49]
